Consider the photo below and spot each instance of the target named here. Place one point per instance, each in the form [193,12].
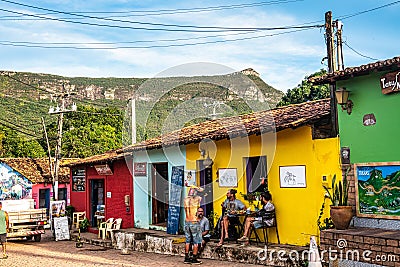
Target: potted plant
[341,213]
[84,225]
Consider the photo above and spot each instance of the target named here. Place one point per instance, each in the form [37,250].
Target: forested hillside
[98,124]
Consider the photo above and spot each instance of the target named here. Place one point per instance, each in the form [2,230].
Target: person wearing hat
[192,225]
[4,226]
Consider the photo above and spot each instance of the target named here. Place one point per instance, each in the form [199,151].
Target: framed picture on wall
[292,176]
[227,177]
[377,190]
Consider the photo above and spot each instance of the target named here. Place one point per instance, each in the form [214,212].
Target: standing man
[192,225]
[4,225]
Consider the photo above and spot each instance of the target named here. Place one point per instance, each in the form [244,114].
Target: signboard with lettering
[390,82]
[174,207]
[377,190]
[140,168]
[61,229]
[103,169]
[78,180]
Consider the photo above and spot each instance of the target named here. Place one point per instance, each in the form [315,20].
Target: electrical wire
[15,128]
[180,11]
[180,28]
[99,113]
[6,43]
[367,11]
[358,53]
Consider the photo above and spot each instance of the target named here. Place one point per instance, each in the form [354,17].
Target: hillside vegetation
[103,108]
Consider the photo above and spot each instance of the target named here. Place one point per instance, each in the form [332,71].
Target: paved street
[49,253]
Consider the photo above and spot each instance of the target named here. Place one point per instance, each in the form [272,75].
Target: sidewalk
[152,241]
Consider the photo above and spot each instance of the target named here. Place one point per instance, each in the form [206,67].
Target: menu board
[174,207]
[78,180]
[61,228]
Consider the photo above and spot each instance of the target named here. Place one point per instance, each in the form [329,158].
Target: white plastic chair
[104,226]
[115,226]
[77,217]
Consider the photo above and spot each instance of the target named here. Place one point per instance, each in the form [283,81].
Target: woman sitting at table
[257,221]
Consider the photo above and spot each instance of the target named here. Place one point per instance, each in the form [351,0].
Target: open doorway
[206,182]
[160,194]
[96,198]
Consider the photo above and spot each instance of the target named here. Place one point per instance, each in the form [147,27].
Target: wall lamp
[342,97]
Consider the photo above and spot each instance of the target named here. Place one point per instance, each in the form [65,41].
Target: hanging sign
[390,82]
[140,168]
[103,169]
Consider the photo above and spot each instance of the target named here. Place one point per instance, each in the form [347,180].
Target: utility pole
[57,155]
[133,122]
[331,69]
[330,42]
[339,44]
[48,150]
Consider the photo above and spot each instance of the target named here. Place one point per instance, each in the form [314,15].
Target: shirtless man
[192,225]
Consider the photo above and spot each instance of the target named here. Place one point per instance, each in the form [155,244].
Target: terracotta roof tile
[277,119]
[382,65]
[37,170]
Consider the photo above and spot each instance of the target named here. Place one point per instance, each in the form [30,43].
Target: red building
[103,181]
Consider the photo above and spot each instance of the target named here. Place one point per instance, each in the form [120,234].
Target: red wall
[37,187]
[119,184]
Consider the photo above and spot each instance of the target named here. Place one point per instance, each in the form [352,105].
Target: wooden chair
[77,217]
[268,215]
[116,225]
[104,226]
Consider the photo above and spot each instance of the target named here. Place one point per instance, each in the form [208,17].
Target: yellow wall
[297,208]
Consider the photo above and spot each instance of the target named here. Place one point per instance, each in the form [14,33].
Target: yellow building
[296,154]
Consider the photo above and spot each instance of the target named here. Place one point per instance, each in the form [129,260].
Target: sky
[122,38]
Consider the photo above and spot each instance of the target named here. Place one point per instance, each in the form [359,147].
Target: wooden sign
[140,168]
[103,169]
[390,82]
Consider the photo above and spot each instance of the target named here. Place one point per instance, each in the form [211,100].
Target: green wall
[376,143]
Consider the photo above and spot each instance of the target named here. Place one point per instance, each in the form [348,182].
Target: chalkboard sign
[174,207]
[61,228]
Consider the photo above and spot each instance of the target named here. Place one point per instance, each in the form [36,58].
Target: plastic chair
[104,226]
[268,215]
[116,225]
[77,217]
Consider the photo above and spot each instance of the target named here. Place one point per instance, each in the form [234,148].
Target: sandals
[5,256]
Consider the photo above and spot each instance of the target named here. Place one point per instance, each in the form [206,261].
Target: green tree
[89,131]
[16,145]
[305,91]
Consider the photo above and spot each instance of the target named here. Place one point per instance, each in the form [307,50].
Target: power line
[134,13]
[358,53]
[181,28]
[367,11]
[99,113]
[15,128]
[7,43]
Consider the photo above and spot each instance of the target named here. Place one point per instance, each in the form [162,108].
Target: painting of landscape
[378,191]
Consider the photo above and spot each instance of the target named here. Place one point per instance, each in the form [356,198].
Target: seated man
[229,209]
[257,221]
[205,228]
